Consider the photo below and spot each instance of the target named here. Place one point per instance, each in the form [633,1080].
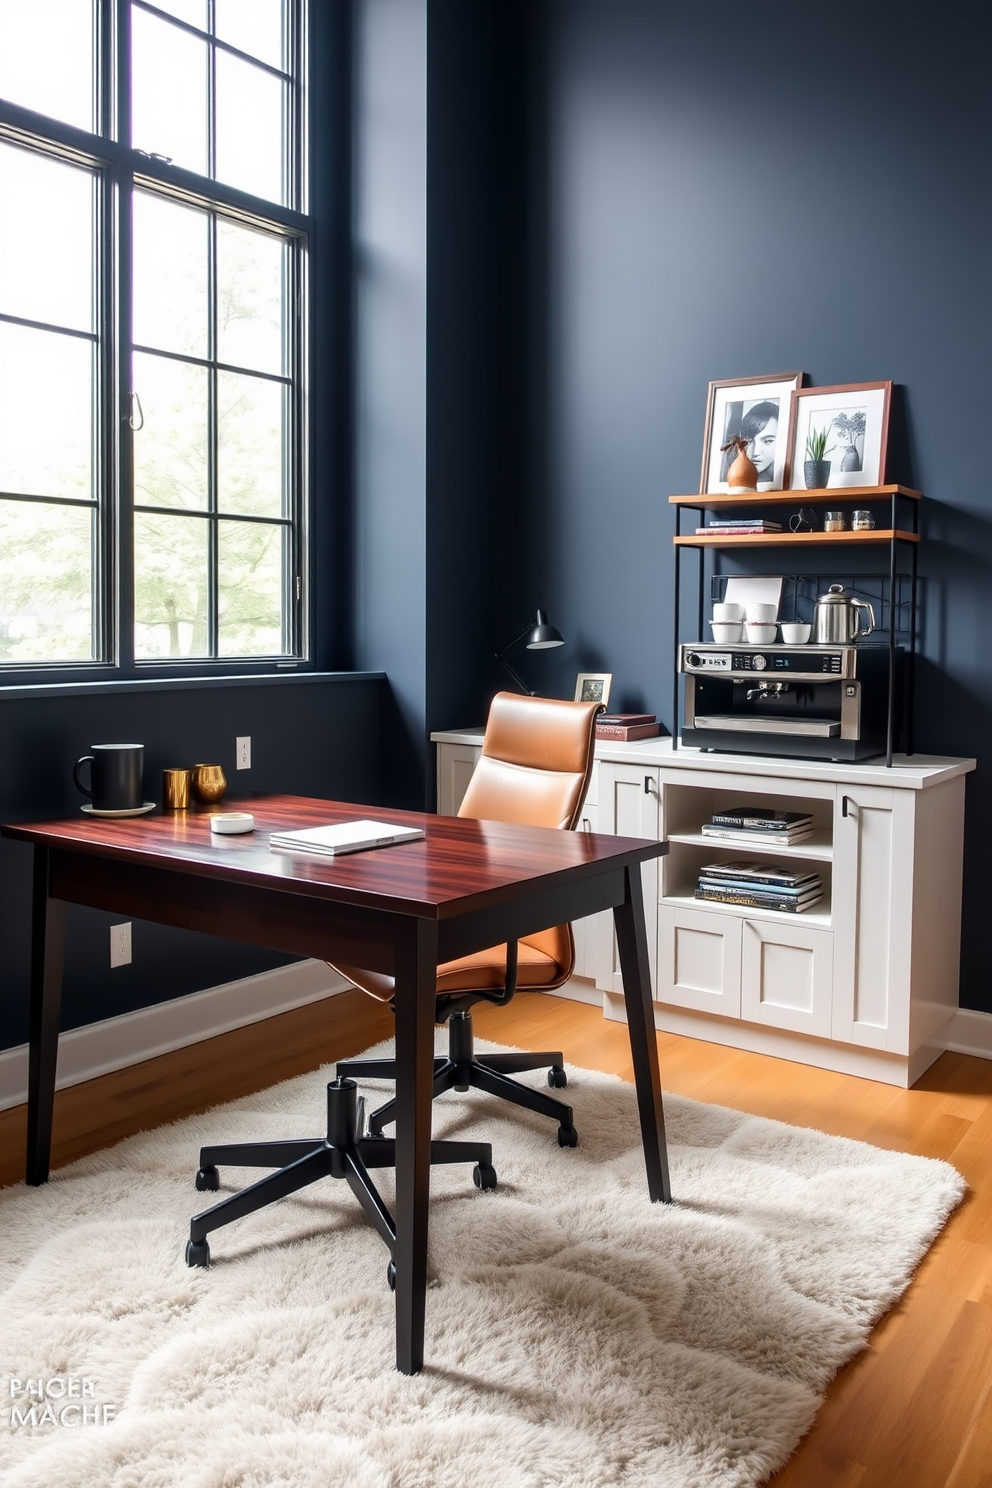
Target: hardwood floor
[913,1410]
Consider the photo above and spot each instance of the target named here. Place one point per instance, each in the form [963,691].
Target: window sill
[179,684]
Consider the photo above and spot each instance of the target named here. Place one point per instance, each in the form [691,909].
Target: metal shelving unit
[903,501]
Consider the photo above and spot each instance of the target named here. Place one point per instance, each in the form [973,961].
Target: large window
[153,448]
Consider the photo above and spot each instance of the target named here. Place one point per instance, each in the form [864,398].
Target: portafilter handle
[862,604]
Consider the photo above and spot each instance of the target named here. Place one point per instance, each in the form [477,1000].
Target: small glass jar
[833,521]
[862,521]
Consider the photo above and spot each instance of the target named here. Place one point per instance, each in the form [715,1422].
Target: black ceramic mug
[115,776]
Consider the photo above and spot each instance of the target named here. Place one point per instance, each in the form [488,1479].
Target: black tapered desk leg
[47,955]
[635,971]
[416,979]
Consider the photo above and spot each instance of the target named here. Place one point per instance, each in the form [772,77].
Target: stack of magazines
[759,885]
[759,826]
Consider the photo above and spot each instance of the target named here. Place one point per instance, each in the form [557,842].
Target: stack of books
[626,726]
[759,826]
[738,527]
[760,886]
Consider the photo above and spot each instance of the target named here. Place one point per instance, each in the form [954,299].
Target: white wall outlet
[242,752]
[120,944]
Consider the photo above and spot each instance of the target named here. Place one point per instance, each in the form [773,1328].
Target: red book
[625,719]
[623,733]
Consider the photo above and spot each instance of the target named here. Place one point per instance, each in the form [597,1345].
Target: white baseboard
[578,989]
[116,1043]
[970,1033]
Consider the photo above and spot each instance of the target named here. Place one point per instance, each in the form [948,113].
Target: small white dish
[726,632]
[761,614]
[728,612]
[759,635]
[232,823]
[142,810]
[795,635]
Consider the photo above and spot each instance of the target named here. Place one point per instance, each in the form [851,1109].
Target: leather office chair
[535,767]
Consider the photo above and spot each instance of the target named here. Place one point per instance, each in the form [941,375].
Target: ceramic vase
[816,474]
[743,473]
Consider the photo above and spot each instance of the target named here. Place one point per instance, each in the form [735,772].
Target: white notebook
[344,837]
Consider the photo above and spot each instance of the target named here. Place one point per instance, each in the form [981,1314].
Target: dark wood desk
[402,910]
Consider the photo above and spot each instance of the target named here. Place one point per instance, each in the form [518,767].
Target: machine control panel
[802,662]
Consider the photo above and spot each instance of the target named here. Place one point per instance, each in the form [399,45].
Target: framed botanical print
[843,431]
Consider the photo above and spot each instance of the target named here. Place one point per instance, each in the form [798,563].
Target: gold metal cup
[175,789]
[208,782]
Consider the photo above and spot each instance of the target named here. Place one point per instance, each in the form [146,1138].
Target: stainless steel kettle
[836,621]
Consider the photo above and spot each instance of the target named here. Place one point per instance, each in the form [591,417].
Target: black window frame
[122,170]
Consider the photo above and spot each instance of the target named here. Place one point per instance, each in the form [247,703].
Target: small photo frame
[593,687]
[756,409]
[852,420]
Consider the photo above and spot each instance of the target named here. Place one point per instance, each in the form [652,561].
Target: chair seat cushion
[483,971]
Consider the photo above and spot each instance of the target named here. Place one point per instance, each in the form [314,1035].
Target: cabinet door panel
[630,806]
[455,766]
[699,960]
[787,976]
[872,892]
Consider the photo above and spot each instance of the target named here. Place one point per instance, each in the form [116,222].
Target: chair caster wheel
[391,1276]
[568,1136]
[557,1079]
[484,1175]
[207,1180]
[197,1253]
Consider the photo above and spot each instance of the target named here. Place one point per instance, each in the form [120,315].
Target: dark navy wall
[310,736]
[734,191]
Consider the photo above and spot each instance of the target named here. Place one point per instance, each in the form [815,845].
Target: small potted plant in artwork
[816,470]
[743,473]
[851,428]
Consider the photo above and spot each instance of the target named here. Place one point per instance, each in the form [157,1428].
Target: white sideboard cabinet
[865,982]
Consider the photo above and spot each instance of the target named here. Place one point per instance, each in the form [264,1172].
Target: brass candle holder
[208,783]
[175,789]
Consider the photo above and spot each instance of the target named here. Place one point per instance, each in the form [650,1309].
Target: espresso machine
[826,702]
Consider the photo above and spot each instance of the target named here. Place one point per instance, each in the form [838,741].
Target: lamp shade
[543,636]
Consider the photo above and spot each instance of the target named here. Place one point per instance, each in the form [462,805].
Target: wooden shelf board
[787,539]
[818,848]
[819,915]
[819,497]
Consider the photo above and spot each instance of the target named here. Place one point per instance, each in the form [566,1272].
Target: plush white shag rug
[577,1335]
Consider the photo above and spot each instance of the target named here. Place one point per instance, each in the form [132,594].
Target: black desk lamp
[540,637]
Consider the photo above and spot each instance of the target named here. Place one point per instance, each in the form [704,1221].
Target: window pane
[46,413]
[170,447]
[250,592]
[250,276]
[46,58]
[168,91]
[249,128]
[46,273]
[170,276]
[251,442]
[170,586]
[193,11]
[253,26]
[46,570]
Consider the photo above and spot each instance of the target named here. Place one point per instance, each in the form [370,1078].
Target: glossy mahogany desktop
[403,909]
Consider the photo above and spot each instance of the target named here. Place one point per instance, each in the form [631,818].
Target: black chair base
[346,1152]
[490,1072]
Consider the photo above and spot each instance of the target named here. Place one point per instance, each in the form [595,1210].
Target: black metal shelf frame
[892,603]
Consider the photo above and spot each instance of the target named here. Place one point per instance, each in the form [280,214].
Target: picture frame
[593,687]
[855,416]
[735,406]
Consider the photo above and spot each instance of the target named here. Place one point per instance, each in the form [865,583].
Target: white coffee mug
[728,612]
[758,634]
[726,632]
[762,614]
[795,635]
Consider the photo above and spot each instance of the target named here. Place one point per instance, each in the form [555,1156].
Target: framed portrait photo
[846,426]
[593,687]
[755,409]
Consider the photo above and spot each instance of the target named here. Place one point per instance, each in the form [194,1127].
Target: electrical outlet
[120,944]
[242,752]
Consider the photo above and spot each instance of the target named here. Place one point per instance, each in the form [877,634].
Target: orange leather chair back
[535,766]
